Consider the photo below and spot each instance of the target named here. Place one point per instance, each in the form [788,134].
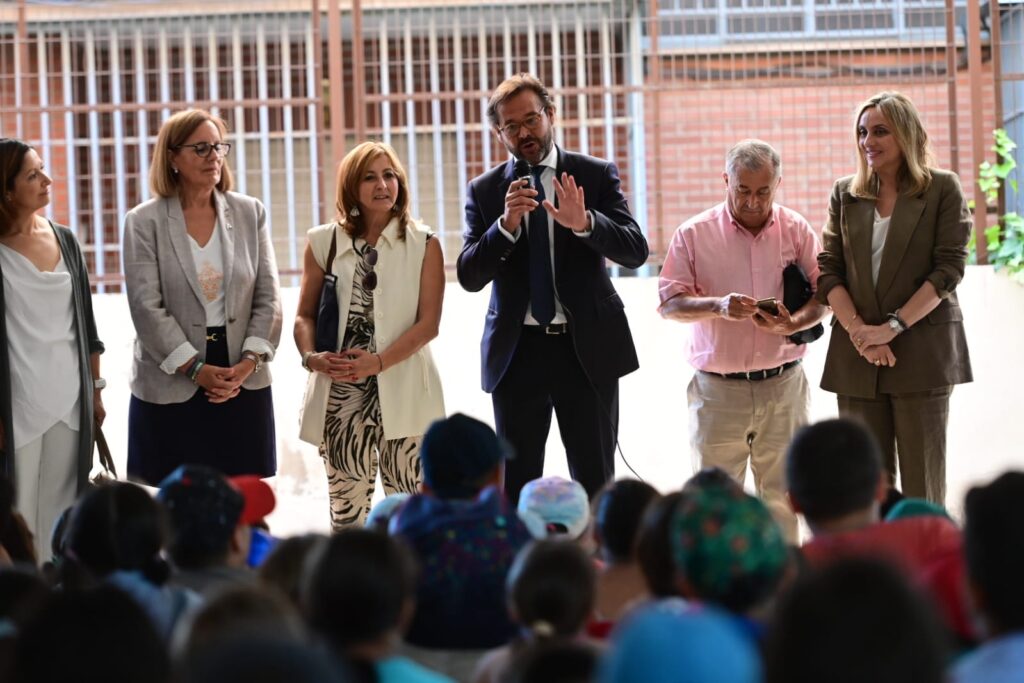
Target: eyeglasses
[203,149]
[532,122]
[369,255]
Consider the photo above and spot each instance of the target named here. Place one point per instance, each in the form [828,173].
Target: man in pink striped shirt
[749,394]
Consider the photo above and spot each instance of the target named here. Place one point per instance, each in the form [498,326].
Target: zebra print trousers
[353,445]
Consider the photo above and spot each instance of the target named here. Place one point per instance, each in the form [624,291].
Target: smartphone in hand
[769,305]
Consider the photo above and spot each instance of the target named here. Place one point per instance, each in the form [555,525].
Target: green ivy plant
[1005,239]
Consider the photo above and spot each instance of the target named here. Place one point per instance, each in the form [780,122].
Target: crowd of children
[455,584]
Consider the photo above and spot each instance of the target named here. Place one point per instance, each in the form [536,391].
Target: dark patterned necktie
[542,290]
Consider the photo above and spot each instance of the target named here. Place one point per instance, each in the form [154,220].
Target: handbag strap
[106,460]
[329,265]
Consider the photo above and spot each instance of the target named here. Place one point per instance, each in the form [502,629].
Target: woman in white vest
[369,400]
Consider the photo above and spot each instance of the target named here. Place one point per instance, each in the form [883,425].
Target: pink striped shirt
[712,255]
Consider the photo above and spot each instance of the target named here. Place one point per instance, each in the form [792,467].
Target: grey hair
[752,155]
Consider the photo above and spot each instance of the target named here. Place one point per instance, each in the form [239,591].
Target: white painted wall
[984,435]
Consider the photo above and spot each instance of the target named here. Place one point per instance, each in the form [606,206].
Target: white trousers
[736,421]
[46,477]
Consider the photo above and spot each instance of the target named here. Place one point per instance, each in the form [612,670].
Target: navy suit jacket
[592,307]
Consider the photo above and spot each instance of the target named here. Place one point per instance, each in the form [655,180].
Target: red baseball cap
[259,498]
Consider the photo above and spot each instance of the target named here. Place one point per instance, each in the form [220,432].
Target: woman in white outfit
[49,350]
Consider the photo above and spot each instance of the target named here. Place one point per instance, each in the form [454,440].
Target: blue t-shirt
[997,661]
[402,670]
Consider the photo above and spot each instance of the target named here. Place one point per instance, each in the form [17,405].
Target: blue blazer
[593,308]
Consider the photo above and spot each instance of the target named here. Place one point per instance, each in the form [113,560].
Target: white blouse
[879,231]
[209,261]
[41,346]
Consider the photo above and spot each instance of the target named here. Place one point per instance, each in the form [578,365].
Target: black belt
[216,334]
[758,375]
[551,328]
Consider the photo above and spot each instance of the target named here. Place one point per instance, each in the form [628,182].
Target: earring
[175,170]
[354,211]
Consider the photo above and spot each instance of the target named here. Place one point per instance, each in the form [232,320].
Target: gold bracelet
[380,359]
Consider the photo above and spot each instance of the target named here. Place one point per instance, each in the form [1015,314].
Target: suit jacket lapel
[905,216]
[182,249]
[860,219]
[561,233]
[224,217]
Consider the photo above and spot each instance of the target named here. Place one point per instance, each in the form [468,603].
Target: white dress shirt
[550,163]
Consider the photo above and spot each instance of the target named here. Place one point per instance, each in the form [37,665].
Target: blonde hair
[173,133]
[350,174]
[914,175]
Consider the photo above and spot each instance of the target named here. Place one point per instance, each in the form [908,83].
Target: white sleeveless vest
[410,391]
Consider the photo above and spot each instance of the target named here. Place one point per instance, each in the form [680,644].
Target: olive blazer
[927,240]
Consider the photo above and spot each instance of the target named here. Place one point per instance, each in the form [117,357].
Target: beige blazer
[927,240]
[166,300]
[410,391]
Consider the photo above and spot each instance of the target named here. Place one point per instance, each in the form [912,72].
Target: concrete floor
[985,415]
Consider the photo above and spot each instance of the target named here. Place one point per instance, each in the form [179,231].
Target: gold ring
[878,362]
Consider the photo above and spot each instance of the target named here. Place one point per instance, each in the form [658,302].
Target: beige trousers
[736,421]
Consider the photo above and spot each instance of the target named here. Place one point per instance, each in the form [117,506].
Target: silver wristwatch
[99,383]
[257,359]
[896,323]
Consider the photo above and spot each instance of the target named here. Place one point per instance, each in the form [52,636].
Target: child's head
[855,620]
[617,514]
[359,588]
[546,661]
[727,548]
[668,642]
[553,507]
[243,610]
[116,527]
[282,570]
[653,550]
[711,476]
[994,550]
[461,456]
[551,588]
[386,508]
[833,468]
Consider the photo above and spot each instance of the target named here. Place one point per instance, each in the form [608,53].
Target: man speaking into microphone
[539,227]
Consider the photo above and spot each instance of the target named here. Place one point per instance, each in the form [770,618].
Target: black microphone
[524,171]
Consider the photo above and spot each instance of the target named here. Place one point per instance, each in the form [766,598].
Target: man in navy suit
[539,227]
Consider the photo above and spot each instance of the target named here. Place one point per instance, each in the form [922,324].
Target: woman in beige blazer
[203,291]
[894,250]
[370,399]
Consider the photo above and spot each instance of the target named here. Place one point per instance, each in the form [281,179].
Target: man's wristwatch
[256,358]
[896,323]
